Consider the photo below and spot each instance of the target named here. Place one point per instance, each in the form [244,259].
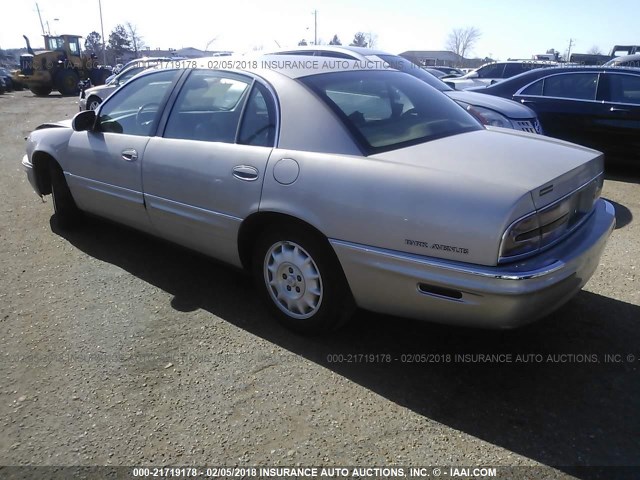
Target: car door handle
[129,155]
[524,100]
[616,109]
[245,172]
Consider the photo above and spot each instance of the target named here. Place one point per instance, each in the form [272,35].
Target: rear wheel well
[41,162]
[253,225]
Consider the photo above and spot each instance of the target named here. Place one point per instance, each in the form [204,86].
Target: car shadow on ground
[570,399]
[622,170]
[623,215]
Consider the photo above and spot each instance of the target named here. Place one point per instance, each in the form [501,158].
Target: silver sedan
[337,186]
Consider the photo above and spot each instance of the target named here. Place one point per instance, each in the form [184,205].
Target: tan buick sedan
[337,186]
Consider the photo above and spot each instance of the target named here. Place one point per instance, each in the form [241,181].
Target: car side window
[259,119]
[624,89]
[533,89]
[208,107]
[129,74]
[581,86]
[513,69]
[134,110]
[494,70]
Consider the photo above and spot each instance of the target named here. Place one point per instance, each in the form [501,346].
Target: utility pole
[568,59]
[104,45]
[315,27]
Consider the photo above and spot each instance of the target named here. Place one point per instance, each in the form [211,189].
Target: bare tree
[359,40]
[462,40]
[372,39]
[206,48]
[137,43]
[595,50]
[366,40]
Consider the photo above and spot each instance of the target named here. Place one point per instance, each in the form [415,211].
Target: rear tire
[41,91]
[301,280]
[66,211]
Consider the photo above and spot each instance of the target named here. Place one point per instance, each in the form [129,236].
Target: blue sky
[512,28]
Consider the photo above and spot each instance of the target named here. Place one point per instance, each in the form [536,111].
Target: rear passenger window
[581,86]
[208,107]
[624,89]
[259,119]
[533,89]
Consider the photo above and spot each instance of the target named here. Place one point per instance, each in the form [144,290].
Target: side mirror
[451,84]
[83,121]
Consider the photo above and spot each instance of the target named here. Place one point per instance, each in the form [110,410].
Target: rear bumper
[464,294]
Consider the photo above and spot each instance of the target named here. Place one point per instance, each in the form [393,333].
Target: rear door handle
[130,155]
[245,172]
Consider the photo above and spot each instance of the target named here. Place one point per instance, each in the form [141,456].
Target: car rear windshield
[387,110]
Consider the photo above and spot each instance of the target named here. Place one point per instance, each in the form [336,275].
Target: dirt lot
[118,349]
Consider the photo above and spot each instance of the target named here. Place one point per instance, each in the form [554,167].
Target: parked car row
[90,98]
[594,106]
[6,81]
[447,72]
[496,72]
[337,187]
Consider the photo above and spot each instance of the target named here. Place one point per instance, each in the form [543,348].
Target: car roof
[292,66]
[578,68]
[151,59]
[526,60]
[624,58]
[347,49]
[536,73]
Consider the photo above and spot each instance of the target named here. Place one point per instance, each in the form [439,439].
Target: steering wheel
[140,119]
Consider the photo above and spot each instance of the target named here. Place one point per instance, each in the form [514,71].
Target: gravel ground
[119,349]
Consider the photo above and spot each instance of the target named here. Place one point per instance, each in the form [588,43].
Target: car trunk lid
[497,156]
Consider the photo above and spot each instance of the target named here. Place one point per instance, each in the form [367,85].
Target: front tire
[301,280]
[93,102]
[67,82]
[66,211]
